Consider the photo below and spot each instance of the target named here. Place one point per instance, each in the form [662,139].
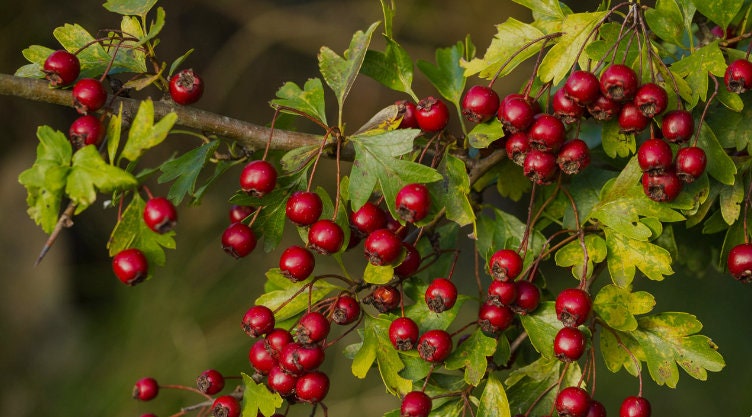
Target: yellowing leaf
[144,133]
[618,306]
[257,397]
[510,37]
[625,254]
[90,173]
[577,28]
[493,401]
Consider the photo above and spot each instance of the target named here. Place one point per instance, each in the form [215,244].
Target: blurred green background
[74,340]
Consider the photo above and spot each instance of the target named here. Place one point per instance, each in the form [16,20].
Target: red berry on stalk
[517,147]
[226,406]
[416,404]
[502,293]
[238,240]
[566,109]
[619,83]
[479,104]
[404,333]
[603,108]
[540,167]
[61,68]
[547,133]
[239,213]
[145,389]
[368,219]
[505,264]
[528,297]
[432,114]
[186,87]
[210,382]
[569,344]
[572,402]
[258,321]
[435,345]
[739,262]
[631,119]
[678,126]
[261,359]
[573,157]
[516,114]
[407,110]
[325,237]
[303,208]
[258,178]
[160,215]
[654,156]
[635,407]
[661,187]
[346,310]
[312,327]
[384,298]
[690,163]
[582,87]
[410,263]
[382,247]
[296,263]
[413,202]
[276,340]
[86,130]
[280,381]
[297,359]
[440,295]
[494,319]
[130,266]
[88,95]
[573,306]
[312,387]
[651,99]
[738,76]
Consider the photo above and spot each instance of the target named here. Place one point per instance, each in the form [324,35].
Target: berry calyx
[210,382]
[635,407]
[494,319]
[677,126]
[435,345]
[258,178]
[407,110]
[160,215]
[517,147]
[416,404]
[86,130]
[569,344]
[346,310]
[547,133]
[738,76]
[384,298]
[572,402]
[540,167]
[690,163]
[739,262]
[582,87]
[88,95]
[502,293]
[61,68]
[573,306]
[382,247]
[505,264]
[312,327]
[258,321]
[603,108]
[325,237]
[662,187]
[130,266]
[619,83]
[440,295]
[303,208]
[296,263]
[573,157]
[413,202]
[479,104]
[238,240]
[226,406]
[566,109]
[654,156]
[312,387]
[431,114]
[651,99]
[404,333]
[145,389]
[186,87]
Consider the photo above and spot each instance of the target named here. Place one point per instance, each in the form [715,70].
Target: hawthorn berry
[573,157]
[596,409]
[367,219]
[440,295]
[296,359]
[130,266]
[239,213]
[407,110]
[210,382]
[410,263]
[582,87]
[480,103]
[312,327]
[160,215]
[494,319]
[303,208]
[280,381]
[260,358]
[651,99]
[296,263]
[631,119]
[738,76]
[435,345]
[516,114]
[619,82]
[540,166]
[186,87]
[505,264]
[258,178]
[88,95]
[569,344]
[690,163]
[416,404]
[677,126]
[528,297]
[238,240]
[384,298]
[633,406]
[325,237]
[573,306]
[86,130]
[403,333]
[346,310]
[382,247]
[654,156]
[572,402]
[603,108]
[566,109]
[258,321]
[61,68]
[226,406]
[413,202]
[502,293]
[276,340]
[547,133]
[517,147]
[312,387]
[739,262]
[145,389]
[431,114]
[662,187]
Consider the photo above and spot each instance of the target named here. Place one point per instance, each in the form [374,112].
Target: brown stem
[65,220]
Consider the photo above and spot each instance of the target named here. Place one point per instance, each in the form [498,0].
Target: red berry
[528,297]
[502,293]
[505,264]
[404,333]
[145,389]
[517,147]
[410,263]
[395,227]
[260,358]
[569,344]
[368,219]
[130,266]
[258,178]
[325,237]
[88,95]
[635,407]
[573,306]
[382,247]
[547,133]
[226,406]
[678,126]
[160,215]
[210,382]
[494,319]
[480,104]
[61,68]
[651,99]
[516,114]
[690,163]
[540,166]
[631,119]
[582,87]
[238,240]
[435,345]
[346,310]
[280,381]
[296,263]
[407,110]
[303,208]
[440,295]
[86,130]
[619,83]
[312,387]
[654,156]
[297,359]
[276,340]
[739,262]
[573,157]
[186,87]
[432,114]
[566,109]
[596,409]
[572,402]
[603,108]
[239,213]
[738,76]
[258,321]
[416,404]
[384,298]
[413,202]
[312,327]
[661,187]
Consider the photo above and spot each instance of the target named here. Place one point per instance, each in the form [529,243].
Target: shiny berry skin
[635,407]
[303,208]
[410,263]
[494,319]
[382,247]
[440,295]
[276,340]
[661,187]
[395,227]
[651,99]
[325,237]
[603,108]
[619,83]
[540,167]
[367,219]
[505,264]
[569,344]
[226,406]
[573,306]
[528,297]
[516,114]
[297,359]
[517,147]
[416,404]
[238,240]
[573,157]
[631,119]
[346,310]
[312,387]
[88,95]
[280,381]
[582,87]
[130,266]
[258,321]
[145,389]
[296,263]
[61,68]
[431,114]
[435,345]
[210,382]
[260,358]
[502,293]
[565,108]
[678,126]
[480,104]
[739,262]
[404,333]
[86,130]
[384,298]
[407,110]
[160,215]
[312,327]
[738,76]
[572,402]
[186,87]
[239,213]
[258,178]
[413,202]
[596,409]
[690,163]
[654,156]
[547,133]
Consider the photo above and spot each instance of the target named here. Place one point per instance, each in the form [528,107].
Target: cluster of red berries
[431,115]
[576,402]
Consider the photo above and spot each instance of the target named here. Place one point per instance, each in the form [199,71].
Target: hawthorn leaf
[616,346]
[89,173]
[509,40]
[720,165]
[731,198]
[112,137]
[258,398]
[296,159]
[531,384]
[618,306]
[732,101]
[541,326]
[389,9]
[130,56]
[393,68]
[732,128]
[178,61]
[696,67]
[544,9]
[721,12]
[453,192]
[131,232]
[294,295]
[308,100]
[493,400]
[611,34]
[626,254]
[130,7]
[666,21]
[155,28]
[586,194]
[423,316]
[447,75]
[484,134]
[374,274]
[94,58]
[144,133]
[36,55]
[472,355]
[577,30]
[505,230]
[572,256]
[615,143]
[378,348]
[511,182]
[184,170]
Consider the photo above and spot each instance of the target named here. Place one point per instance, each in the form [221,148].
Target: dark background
[73,340]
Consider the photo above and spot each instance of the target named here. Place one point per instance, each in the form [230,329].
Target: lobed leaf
[493,400]
[393,68]
[666,21]
[292,294]
[618,306]
[89,173]
[131,232]
[257,398]
[721,12]
[696,67]
[472,355]
[144,134]
[184,170]
[447,75]
[626,254]
[378,348]
[531,384]
[578,30]
[308,100]
[511,36]
[572,255]
[130,7]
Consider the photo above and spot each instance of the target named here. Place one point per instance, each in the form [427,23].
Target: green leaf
[132,232]
[454,191]
[340,72]
[447,75]
[669,339]
[90,173]
[666,21]
[532,384]
[615,143]
[720,165]
[130,7]
[184,170]
[541,327]
[389,9]
[472,355]
[309,100]
[378,274]
[611,34]
[731,128]
[544,9]
[624,254]
[296,159]
[292,294]
[155,28]
[721,12]
[46,178]
[506,231]
[493,400]
[144,133]
[35,54]
[112,137]
[130,56]
[577,29]
[393,68]
[696,66]
[571,255]
[423,316]
[618,306]
[512,182]
[257,398]
[178,61]
[731,198]
[616,346]
[483,134]
[377,347]
[510,38]
[586,194]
